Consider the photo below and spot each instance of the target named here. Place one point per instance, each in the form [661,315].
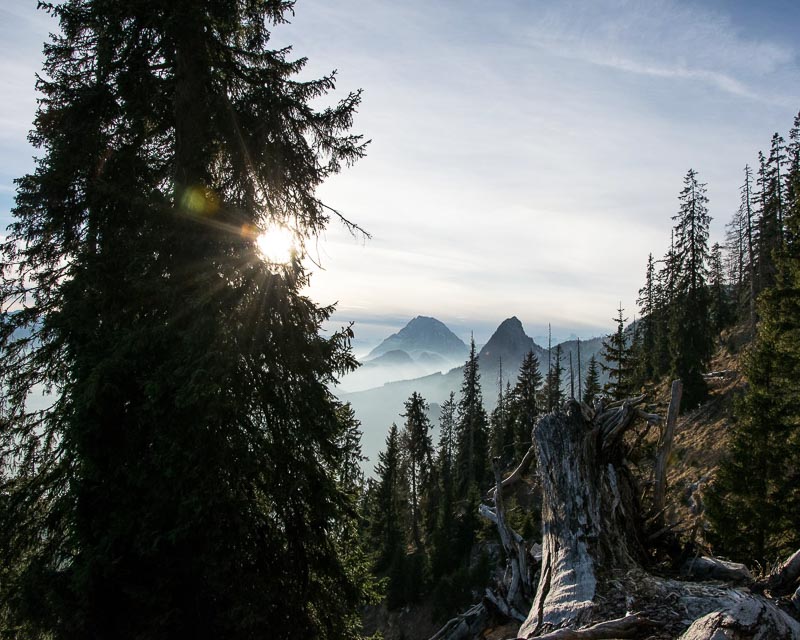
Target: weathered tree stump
[594,580]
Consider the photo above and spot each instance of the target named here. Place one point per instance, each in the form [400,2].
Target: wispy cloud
[666,39]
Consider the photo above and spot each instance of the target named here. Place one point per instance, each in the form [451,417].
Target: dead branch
[518,473]
[627,627]
[464,625]
[665,447]
[784,580]
[514,545]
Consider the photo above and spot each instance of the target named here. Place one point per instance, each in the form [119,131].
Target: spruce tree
[769,231]
[552,395]
[616,354]
[386,529]
[442,556]
[664,304]
[498,420]
[591,388]
[524,406]
[691,333]
[187,480]
[472,437]
[741,249]
[646,361]
[417,460]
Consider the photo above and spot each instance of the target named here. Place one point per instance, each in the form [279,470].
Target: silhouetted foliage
[472,437]
[193,476]
[691,332]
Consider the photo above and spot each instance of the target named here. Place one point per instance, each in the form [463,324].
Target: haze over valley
[426,357]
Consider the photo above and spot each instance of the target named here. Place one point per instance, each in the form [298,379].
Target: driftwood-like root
[628,627]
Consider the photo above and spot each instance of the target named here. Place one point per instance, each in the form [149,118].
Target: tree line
[689,297]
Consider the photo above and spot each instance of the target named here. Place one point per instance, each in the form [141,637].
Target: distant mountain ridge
[378,399]
[421,335]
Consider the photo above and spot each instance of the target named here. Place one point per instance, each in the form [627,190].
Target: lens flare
[276,245]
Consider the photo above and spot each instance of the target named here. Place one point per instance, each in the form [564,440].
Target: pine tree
[524,406]
[188,479]
[591,388]
[417,461]
[616,354]
[691,333]
[472,438]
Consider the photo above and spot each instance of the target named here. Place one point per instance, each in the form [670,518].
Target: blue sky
[525,156]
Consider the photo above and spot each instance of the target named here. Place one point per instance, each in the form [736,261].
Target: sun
[276,245]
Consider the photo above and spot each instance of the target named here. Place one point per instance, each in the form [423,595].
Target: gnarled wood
[519,589]
[517,474]
[784,580]
[589,516]
[665,447]
[465,625]
[595,552]
[628,627]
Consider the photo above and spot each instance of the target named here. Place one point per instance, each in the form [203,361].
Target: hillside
[702,435]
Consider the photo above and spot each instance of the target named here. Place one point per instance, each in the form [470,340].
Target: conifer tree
[442,555]
[691,333]
[498,420]
[552,394]
[636,358]
[769,231]
[524,406]
[754,504]
[646,363]
[417,460]
[472,437]
[591,389]
[616,354]
[740,245]
[665,289]
[386,529]
[187,480]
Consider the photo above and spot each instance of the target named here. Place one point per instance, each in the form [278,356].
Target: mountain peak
[508,344]
[424,334]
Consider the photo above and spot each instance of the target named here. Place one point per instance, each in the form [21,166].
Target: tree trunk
[593,582]
[591,524]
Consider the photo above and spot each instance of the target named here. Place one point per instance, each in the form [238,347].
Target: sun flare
[276,245]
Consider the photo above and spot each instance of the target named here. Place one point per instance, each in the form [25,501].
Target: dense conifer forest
[195,474]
